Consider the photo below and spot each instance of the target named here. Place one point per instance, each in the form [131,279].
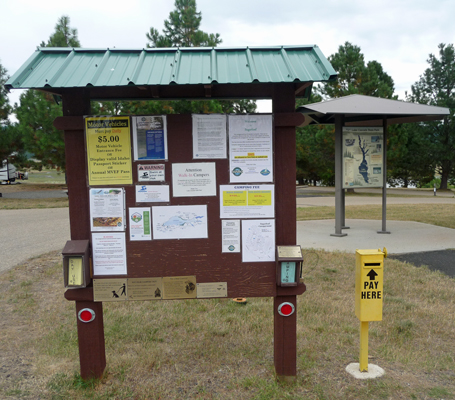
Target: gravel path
[28,233]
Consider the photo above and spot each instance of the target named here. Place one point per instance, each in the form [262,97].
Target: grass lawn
[218,349]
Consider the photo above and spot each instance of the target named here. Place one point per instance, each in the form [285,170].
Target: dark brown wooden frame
[253,282]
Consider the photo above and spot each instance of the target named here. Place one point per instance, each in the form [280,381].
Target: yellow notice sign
[260,198]
[234,198]
[108,150]
[75,276]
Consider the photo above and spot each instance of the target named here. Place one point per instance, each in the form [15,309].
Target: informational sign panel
[193,179]
[209,136]
[108,150]
[109,253]
[247,201]
[250,148]
[150,137]
[150,173]
[180,222]
[258,240]
[363,157]
[107,209]
[140,223]
[183,226]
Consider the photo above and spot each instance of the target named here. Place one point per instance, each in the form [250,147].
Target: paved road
[28,233]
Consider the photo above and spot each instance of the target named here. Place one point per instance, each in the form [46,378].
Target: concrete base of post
[339,234]
[373,371]
[387,232]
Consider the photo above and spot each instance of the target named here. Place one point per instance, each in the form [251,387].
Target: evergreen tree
[5,108]
[181,29]
[356,77]
[64,35]
[437,87]
[37,110]
[316,144]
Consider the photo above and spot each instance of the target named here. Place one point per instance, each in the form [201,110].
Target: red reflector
[286,309]
[86,315]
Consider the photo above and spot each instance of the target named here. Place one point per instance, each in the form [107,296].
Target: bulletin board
[181,206]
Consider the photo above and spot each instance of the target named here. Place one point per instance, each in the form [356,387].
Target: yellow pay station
[369,278]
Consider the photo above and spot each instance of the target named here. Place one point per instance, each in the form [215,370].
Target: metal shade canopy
[359,110]
[193,72]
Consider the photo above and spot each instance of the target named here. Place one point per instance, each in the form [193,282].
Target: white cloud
[399,34]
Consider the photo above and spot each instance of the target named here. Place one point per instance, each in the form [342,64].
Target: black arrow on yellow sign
[372,275]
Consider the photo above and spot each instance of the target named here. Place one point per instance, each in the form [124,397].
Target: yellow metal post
[363,346]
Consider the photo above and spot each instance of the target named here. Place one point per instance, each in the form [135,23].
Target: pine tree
[181,29]
[37,110]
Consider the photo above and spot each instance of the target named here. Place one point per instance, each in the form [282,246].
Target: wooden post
[285,328]
[92,353]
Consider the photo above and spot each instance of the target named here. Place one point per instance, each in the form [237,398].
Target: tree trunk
[444,179]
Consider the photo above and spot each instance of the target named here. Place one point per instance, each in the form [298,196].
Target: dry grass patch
[217,349]
[435,214]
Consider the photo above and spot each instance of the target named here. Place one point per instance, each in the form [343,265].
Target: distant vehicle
[9,174]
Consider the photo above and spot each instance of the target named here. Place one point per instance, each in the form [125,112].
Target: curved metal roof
[59,68]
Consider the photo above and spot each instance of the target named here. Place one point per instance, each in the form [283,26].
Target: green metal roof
[58,68]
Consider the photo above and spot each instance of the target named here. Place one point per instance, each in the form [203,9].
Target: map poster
[247,201]
[250,148]
[258,240]
[193,179]
[150,138]
[107,209]
[109,253]
[140,223]
[230,236]
[180,222]
[209,136]
[363,157]
[108,150]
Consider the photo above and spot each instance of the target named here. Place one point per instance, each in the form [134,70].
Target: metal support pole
[363,346]
[384,179]
[339,200]
[343,219]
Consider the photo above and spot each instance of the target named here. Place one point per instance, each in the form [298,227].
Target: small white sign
[152,193]
[258,240]
[140,223]
[109,253]
[230,236]
[209,136]
[193,179]
[150,172]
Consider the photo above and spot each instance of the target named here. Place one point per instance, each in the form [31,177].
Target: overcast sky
[399,34]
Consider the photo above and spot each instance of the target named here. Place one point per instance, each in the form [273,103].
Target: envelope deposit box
[288,265]
[76,264]
[369,277]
